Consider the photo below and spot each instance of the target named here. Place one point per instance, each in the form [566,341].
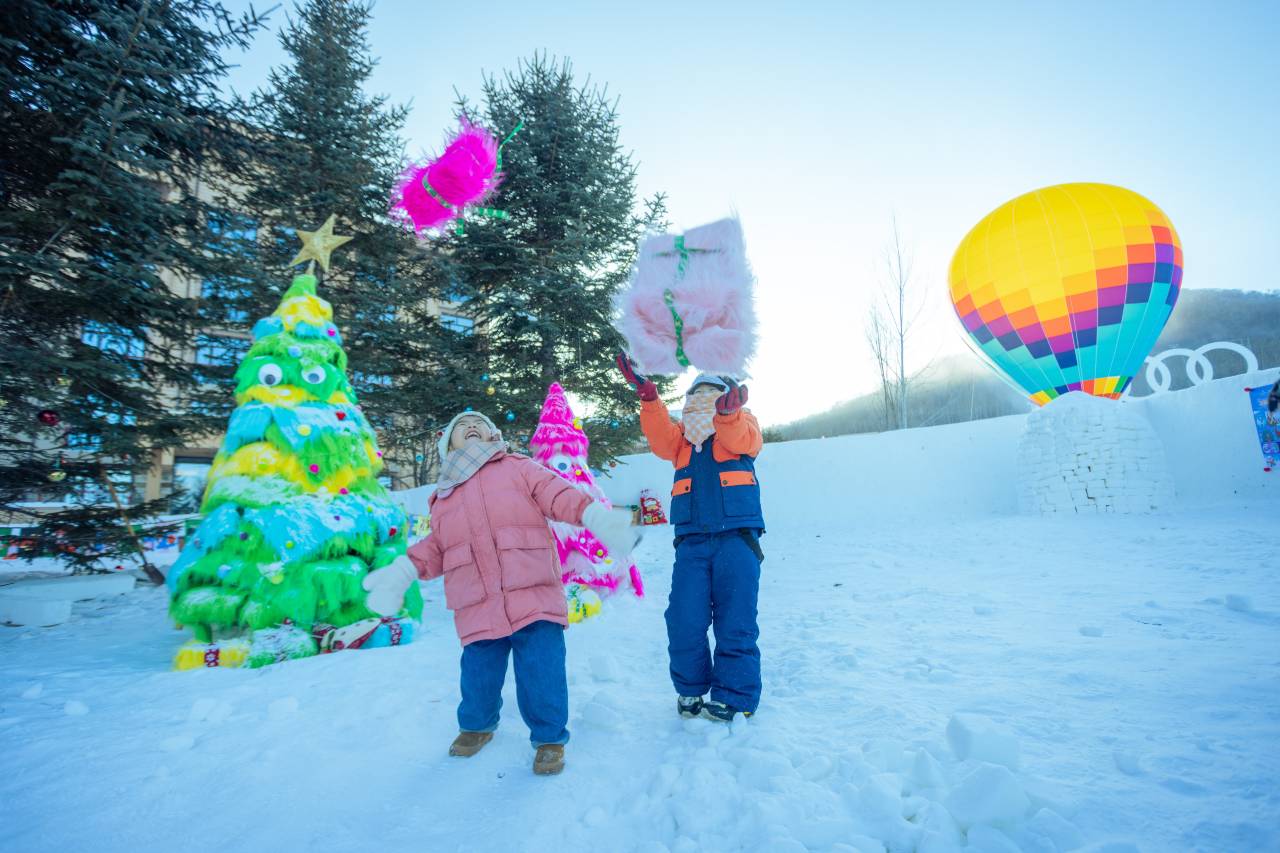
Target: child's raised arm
[556,498]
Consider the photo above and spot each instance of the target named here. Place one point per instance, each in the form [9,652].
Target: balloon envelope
[1067,288]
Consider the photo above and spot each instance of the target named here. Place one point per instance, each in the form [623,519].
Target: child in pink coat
[491,544]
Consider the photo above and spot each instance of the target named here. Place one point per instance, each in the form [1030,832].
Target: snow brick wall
[1085,454]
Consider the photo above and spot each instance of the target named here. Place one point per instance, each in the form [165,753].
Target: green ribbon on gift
[519,127]
[667,296]
[485,212]
[670,299]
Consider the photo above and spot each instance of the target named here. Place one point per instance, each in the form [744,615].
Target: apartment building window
[220,350]
[457,323]
[190,475]
[225,298]
[102,411]
[113,339]
[96,492]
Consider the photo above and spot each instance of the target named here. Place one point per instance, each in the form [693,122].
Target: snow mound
[749,789]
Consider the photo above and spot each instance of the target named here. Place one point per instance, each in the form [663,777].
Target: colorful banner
[1268,426]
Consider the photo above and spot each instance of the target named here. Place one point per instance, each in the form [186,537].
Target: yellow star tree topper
[319,244]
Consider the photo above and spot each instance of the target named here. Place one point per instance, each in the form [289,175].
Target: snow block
[1086,454]
[977,738]
[74,588]
[20,609]
[986,839]
[990,794]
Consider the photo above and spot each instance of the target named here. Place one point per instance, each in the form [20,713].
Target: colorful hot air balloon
[1068,287]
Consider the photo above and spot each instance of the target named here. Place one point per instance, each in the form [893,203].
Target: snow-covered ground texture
[940,674]
[1023,683]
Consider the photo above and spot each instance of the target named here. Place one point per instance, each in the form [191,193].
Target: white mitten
[613,528]
[386,586]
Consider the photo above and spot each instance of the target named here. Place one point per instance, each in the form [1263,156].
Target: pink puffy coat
[490,540]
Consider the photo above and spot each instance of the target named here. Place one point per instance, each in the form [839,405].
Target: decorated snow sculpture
[560,444]
[1083,454]
[689,303]
[1067,288]
[294,516]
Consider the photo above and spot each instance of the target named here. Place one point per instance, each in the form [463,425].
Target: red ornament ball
[391,531]
[48,417]
[342,416]
[314,469]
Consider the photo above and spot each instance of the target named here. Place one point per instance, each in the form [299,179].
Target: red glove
[645,389]
[732,400]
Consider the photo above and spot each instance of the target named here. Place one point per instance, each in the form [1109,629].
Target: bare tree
[889,323]
[878,341]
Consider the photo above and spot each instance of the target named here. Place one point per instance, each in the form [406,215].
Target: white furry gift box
[689,302]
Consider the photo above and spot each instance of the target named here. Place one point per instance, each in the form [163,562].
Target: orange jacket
[736,435]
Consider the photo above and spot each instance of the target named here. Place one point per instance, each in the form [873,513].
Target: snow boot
[689,706]
[467,744]
[549,759]
[720,712]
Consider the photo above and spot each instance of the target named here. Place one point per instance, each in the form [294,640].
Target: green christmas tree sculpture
[294,516]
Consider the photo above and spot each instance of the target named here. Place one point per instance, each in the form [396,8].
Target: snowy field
[1135,661]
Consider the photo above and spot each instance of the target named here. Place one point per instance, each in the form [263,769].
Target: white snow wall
[969,470]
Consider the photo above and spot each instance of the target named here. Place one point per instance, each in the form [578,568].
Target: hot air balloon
[1067,288]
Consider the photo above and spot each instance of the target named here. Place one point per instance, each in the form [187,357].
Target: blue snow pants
[715,583]
[542,689]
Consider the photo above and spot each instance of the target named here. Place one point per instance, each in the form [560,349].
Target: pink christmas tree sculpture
[560,444]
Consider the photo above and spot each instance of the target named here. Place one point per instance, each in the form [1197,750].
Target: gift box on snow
[689,303]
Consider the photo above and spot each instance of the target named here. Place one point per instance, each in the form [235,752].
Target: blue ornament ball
[511,416]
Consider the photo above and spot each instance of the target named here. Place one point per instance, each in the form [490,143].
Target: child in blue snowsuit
[715,510]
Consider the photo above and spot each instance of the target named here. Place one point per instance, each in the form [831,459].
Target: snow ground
[1136,660]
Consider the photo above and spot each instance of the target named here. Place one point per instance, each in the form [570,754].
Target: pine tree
[294,515]
[112,113]
[541,282]
[326,145]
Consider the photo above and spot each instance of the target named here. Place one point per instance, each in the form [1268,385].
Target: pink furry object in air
[713,298]
[464,175]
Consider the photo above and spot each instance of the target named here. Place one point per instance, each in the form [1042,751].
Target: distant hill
[961,388]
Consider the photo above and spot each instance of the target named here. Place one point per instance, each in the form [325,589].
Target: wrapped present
[651,509]
[366,634]
[197,655]
[689,303]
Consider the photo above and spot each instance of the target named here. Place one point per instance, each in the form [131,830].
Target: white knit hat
[443,446]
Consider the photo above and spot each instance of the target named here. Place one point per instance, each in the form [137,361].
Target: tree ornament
[57,475]
[511,416]
[490,391]
[48,417]
[418,457]
[64,380]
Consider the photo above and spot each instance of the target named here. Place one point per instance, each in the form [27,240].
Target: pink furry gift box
[689,302]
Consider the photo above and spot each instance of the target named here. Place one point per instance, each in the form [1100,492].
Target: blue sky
[820,123]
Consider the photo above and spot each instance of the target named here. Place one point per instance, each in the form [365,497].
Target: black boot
[689,706]
[720,712]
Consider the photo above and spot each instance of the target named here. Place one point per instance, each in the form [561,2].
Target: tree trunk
[153,574]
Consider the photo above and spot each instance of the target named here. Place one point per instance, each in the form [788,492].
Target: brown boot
[467,744]
[550,759]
